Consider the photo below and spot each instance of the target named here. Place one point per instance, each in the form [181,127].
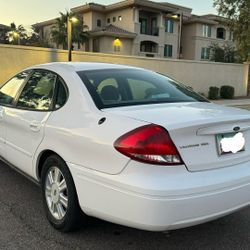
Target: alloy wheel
[56,193]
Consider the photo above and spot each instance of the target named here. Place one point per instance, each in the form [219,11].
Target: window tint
[140,90]
[123,87]
[38,91]
[61,97]
[108,90]
[106,82]
[10,89]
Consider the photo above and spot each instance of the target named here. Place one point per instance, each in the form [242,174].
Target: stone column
[136,15]
[160,21]
[161,39]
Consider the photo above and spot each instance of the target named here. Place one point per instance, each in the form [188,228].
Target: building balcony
[149,23]
[150,32]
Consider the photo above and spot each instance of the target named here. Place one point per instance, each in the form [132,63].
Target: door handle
[35,126]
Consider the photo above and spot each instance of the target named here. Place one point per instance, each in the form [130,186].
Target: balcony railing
[150,32]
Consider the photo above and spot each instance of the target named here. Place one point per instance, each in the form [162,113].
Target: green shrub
[227,92]
[202,93]
[213,93]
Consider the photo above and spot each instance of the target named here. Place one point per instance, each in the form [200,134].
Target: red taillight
[150,144]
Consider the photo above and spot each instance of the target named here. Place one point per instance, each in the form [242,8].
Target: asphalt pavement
[23,226]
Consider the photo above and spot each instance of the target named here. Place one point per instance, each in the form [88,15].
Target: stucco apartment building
[199,32]
[146,28]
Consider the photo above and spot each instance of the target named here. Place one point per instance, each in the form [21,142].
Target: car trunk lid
[196,129]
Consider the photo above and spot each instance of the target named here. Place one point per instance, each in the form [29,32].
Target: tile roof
[112,30]
[199,19]
[128,3]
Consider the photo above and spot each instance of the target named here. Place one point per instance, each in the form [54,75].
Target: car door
[25,123]
[8,93]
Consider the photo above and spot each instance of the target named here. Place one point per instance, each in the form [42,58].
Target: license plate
[230,143]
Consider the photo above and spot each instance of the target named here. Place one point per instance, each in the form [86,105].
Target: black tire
[74,217]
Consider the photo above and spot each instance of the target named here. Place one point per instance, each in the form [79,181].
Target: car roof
[82,66]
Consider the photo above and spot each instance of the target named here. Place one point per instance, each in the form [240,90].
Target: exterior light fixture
[117,42]
[73,19]
[16,37]
[180,16]
[15,34]
[70,22]
[175,16]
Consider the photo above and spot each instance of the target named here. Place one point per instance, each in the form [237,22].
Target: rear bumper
[162,198]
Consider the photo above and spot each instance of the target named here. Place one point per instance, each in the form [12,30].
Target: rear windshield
[124,87]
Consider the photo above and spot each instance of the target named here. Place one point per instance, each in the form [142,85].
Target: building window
[168,50]
[205,53]
[148,46]
[117,43]
[117,48]
[154,28]
[108,20]
[169,26]
[206,30]
[120,18]
[99,23]
[221,33]
[143,22]
[114,19]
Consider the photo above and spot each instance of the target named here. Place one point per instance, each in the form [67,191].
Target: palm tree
[80,33]
[59,31]
[16,34]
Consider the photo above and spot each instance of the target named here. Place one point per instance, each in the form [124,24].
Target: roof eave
[203,21]
[131,3]
[111,34]
[45,23]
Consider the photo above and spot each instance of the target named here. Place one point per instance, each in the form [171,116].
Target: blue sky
[27,12]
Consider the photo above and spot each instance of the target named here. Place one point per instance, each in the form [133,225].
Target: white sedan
[124,144]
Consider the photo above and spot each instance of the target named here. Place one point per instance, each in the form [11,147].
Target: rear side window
[61,95]
[124,87]
[38,91]
[9,91]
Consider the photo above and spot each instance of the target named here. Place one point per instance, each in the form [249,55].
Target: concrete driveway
[238,103]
